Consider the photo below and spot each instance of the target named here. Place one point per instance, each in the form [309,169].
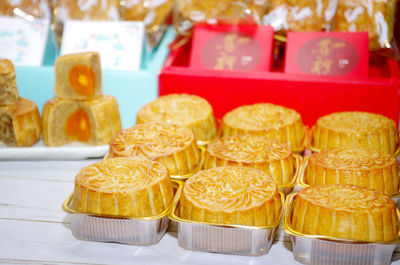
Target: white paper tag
[23,42]
[119,43]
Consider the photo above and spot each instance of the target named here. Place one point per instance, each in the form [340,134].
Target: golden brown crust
[102,121]
[345,211]
[305,15]
[78,76]
[270,156]
[356,129]
[273,121]
[172,145]
[231,195]
[8,83]
[375,17]
[184,110]
[20,124]
[123,187]
[363,167]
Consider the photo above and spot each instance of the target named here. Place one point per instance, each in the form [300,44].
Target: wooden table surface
[34,229]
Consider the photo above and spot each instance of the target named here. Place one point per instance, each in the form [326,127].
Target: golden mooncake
[231,195]
[78,76]
[374,16]
[356,129]
[184,110]
[123,187]
[303,15]
[346,212]
[171,145]
[8,83]
[20,123]
[362,167]
[273,121]
[93,122]
[272,157]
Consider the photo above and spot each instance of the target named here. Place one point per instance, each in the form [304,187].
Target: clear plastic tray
[141,231]
[314,249]
[226,239]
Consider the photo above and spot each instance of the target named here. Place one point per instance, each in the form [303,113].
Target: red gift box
[312,96]
[225,47]
[327,53]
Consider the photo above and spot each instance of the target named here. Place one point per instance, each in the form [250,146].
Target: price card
[23,41]
[119,43]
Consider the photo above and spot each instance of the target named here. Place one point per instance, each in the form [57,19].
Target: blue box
[132,89]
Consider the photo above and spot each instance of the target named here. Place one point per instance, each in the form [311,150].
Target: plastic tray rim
[66,207]
[174,217]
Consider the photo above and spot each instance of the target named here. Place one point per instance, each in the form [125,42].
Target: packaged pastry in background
[81,10]
[26,9]
[20,123]
[343,212]
[171,145]
[273,121]
[357,166]
[154,14]
[272,157]
[303,15]
[374,16]
[183,110]
[188,12]
[355,129]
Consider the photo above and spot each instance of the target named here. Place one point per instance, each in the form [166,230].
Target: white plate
[39,151]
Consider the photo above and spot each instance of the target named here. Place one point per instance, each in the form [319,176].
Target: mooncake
[356,129]
[272,157]
[123,186]
[20,123]
[184,110]
[231,195]
[8,83]
[93,122]
[78,76]
[273,121]
[171,145]
[363,167]
[345,212]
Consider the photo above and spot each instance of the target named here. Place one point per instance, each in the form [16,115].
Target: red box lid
[327,53]
[226,47]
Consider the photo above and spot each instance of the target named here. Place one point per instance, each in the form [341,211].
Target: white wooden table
[34,229]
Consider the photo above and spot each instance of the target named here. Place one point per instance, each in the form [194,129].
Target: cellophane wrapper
[63,10]
[186,13]
[26,9]
[154,13]
[303,15]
